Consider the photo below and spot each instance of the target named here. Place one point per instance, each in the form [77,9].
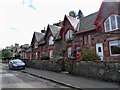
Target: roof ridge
[89,15]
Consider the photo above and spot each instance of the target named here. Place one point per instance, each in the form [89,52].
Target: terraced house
[99,31]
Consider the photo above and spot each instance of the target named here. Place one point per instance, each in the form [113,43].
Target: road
[17,79]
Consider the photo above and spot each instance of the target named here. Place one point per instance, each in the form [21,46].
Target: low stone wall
[107,71]
[44,65]
[101,70]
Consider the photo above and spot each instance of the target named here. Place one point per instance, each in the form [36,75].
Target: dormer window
[36,45]
[112,23]
[51,40]
[69,35]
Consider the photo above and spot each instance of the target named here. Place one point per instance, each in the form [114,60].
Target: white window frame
[89,39]
[36,45]
[69,51]
[69,35]
[110,24]
[77,48]
[36,55]
[85,40]
[51,42]
[116,42]
[51,53]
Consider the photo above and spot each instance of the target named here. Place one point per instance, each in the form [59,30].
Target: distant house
[22,51]
[28,53]
[46,45]
[35,52]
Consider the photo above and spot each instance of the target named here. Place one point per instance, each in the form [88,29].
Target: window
[36,45]
[118,20]
[69,34]
[112,23]
[89,39]
[51,40]
[115,48]
[69,51]
[99,49]
[85,40]
[50,53]
[36,55]
[78,49]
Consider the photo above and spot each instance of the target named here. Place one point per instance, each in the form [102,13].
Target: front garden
[88,66]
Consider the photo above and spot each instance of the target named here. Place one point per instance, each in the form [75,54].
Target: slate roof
[28,49]
[42,40]
[86,23]
[73,21]
[38,36]
[54,29]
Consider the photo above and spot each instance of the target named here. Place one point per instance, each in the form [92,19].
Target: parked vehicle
[16,64]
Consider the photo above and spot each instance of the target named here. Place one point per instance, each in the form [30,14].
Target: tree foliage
[89,55]
[6,53]
[80,14]
[72,14]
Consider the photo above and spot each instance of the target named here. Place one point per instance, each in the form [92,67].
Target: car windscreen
[17,62]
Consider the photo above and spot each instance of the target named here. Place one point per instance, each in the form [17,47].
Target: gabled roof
[106,9]
[73,21]
[86,23]
[38,36]
[54,29]
[28,49]
[42,40]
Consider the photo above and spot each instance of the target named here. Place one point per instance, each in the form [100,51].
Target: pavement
[76,82]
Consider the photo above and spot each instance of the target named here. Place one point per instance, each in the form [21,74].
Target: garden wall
[44,65]
[108,71]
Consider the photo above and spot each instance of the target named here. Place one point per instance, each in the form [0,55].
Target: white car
[16,64]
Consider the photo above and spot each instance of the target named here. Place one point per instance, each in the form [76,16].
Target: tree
[72,14]
[6,53]
[80,14]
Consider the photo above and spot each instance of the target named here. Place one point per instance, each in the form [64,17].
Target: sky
[20,18]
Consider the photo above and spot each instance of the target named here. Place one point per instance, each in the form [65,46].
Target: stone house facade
[99,31]
[35,52]
[64,37]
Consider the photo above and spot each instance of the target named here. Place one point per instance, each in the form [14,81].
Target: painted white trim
[51,42]
[110,25]
[102,52]
[110,49]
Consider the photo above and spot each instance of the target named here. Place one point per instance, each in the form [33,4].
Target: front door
[99,50]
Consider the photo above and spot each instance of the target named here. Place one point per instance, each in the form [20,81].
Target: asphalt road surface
[17,79]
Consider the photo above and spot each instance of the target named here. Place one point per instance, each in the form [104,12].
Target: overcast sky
[20,18]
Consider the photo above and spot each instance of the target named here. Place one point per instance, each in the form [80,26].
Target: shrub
[45,58]
[89,55]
